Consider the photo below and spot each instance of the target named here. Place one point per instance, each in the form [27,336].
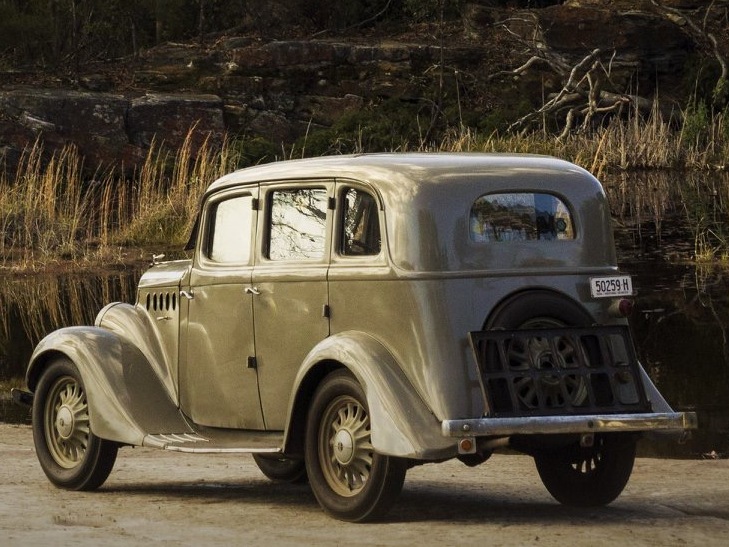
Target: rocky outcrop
[107,128]
[282,89]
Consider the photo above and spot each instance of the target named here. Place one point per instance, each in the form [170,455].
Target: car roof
[429,197]
[393,170]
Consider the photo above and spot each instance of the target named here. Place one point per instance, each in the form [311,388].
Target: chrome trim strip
[194,450]
[531,425]
[164,440]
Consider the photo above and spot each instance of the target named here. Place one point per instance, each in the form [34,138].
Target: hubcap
[345,447]
[66,421]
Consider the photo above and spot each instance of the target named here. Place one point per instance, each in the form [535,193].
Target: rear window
[520,216]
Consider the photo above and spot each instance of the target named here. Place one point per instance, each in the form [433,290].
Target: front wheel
[588,476]
[349,479]
[70,455]
[278,468]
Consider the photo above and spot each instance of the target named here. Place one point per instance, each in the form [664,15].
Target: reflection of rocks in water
[12,413]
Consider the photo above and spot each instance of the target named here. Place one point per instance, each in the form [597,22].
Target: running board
[208,440]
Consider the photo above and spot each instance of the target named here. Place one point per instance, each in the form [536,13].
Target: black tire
[535,309]
[588,477]
[70,455]
[349,479]
[278,468]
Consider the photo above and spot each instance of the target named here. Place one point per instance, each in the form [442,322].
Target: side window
[230,231]
[520,216]
[297,228]
[361,224]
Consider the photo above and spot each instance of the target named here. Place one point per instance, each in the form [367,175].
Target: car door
[218,378]
[290,282]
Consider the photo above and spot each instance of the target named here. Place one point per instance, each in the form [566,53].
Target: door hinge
[255,204]
[326,311]
[332,203]
[252,362]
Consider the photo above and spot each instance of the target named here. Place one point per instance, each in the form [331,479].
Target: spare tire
[537,310]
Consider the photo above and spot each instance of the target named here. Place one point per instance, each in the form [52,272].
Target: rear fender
[126,398]
[401,423]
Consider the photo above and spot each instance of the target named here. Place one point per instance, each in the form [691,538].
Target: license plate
[615,285]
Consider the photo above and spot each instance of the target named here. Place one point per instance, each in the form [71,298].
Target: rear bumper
[667,422]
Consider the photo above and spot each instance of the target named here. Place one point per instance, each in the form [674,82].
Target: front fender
[126,398]
[401,423]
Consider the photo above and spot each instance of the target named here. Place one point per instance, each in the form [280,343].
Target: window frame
[341,241]
[266,226]
[204,250]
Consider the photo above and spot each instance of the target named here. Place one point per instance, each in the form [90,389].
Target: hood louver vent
[163,301]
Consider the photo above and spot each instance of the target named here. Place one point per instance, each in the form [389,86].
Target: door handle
[252,290]
[189,295]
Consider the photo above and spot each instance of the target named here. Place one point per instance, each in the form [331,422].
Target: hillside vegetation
[115,115]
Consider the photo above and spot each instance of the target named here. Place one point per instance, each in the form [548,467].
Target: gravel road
[167,498]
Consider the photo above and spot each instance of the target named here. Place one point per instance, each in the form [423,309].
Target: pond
[34,305]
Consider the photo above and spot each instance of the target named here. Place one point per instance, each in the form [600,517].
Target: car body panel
[211,366]
[401,422]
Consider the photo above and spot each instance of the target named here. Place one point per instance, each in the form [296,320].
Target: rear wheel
[574,475]
[588,477]
[349,479]
[278,468]
[70,455]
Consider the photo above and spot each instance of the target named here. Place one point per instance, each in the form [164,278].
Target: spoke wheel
[70,454]
[542,309]
[349,479]
[588,477]
[345,448]
[538,354]
[66,426]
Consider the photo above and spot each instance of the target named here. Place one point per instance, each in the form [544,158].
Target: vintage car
[345,318]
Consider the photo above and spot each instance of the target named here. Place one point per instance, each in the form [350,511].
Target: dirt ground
[168,498]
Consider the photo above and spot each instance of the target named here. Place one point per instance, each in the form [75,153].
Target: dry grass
[50,213]
[697,142]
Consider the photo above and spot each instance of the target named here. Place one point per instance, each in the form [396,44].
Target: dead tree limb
[582,97]
[702,34]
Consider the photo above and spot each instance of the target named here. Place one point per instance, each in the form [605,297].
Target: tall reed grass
[690,140]
[50,212]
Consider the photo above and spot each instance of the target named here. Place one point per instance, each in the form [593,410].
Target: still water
[680,325]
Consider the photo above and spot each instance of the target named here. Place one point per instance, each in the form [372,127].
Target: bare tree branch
[582,98]
[702,33]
